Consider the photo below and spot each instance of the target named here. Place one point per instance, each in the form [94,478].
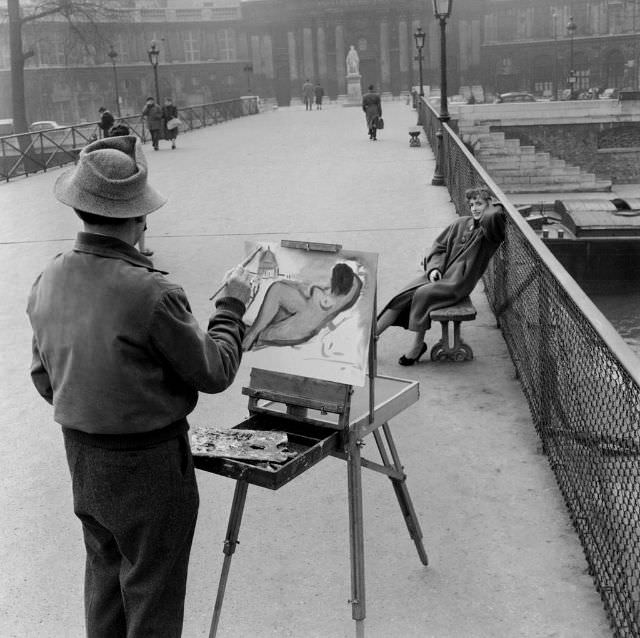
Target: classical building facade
[528,46]
[218,49]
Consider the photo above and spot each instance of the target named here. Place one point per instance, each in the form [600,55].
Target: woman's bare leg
[386,319]
[416,346]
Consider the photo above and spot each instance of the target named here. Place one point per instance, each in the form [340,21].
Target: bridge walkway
[504,559]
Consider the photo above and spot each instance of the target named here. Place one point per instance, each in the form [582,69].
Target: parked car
[610,94]
[43,125]
[515,97]
[51,134]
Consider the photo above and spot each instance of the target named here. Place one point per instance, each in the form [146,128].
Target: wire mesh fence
[582,384]
[27,153]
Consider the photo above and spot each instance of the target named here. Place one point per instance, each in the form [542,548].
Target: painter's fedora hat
[110,179]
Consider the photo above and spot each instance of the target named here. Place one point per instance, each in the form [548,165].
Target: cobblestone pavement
[504,560]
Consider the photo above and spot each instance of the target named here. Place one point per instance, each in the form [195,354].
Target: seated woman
[294,311]
[458,258]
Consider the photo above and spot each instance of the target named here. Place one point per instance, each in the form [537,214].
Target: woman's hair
[99,220]
[478,193]
[371,87]
[341,279]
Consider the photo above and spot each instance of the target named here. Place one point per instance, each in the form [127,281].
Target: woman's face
[477,206]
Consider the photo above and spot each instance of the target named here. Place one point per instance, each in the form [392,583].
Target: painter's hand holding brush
[237,284]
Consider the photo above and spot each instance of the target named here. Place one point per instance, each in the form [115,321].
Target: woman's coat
[461,253]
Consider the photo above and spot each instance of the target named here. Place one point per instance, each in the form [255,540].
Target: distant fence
[28,153]
[582,383]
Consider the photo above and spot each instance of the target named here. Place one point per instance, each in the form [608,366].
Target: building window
[51,52]
[362,44]
[227,44]
[120,45]
[191,48]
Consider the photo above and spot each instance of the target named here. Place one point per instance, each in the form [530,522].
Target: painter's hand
[435,275]
[237,283]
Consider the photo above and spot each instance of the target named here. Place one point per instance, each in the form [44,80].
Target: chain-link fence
[26,153]
[582,383]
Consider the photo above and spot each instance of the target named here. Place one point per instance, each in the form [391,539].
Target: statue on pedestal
[353,62]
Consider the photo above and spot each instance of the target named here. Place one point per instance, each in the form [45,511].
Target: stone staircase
[521,169]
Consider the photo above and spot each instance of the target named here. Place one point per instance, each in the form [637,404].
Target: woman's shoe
[406,361]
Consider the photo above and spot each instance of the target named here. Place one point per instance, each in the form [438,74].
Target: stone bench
[464,310]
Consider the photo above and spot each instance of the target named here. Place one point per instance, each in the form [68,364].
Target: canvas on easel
[311,311]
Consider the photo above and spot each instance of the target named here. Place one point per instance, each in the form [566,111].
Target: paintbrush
[246,262]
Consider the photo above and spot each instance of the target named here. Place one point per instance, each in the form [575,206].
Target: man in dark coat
[106,121]
[121,358]
[372,108]
[458,258]
[153,113]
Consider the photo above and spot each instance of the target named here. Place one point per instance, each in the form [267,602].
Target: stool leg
[445,336]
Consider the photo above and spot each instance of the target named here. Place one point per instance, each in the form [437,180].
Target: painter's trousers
[138,509]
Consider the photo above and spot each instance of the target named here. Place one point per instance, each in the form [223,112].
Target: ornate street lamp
[571,30]
[113,54]
[419,37]
[442,11]
[554,17]
[248,69]
[154,54]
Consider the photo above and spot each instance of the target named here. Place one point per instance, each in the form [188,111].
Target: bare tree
[83,18]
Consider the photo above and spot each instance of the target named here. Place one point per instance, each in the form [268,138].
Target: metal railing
[28,153]
[582,384]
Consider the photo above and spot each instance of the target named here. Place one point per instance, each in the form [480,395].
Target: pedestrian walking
[458,258]
[106,121]
[153,113]
[169,113]
[123,129]
[120,357]
[307,95]
[372,107]
[319,93]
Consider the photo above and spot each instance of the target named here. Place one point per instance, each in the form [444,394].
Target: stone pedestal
[354,90]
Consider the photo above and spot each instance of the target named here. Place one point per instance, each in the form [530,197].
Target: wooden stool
[459,351]
[414,135]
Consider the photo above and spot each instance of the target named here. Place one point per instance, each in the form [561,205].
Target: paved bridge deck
[505,561]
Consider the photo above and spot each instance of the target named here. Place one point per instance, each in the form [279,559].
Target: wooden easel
[320,412]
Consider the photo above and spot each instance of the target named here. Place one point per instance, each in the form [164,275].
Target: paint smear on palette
[311,312]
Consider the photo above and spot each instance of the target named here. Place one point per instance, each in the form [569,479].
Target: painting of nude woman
[312,312]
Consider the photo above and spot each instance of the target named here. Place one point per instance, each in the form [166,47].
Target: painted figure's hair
[478,193]
[341,279]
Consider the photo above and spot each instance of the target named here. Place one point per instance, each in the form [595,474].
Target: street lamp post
[442,11]
[154,54]
[571,30]
[419,37]
[554,17]
[113,54]
[248,69]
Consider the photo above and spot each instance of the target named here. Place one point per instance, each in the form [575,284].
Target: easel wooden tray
[392,396]
[312,442]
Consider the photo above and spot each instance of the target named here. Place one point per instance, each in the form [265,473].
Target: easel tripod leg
[356,536]
[401,490]
[230,542]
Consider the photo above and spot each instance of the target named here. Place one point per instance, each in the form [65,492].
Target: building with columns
[219,49]
[295,40]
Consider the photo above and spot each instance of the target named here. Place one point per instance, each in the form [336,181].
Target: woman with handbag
[171,121]
[372,108]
